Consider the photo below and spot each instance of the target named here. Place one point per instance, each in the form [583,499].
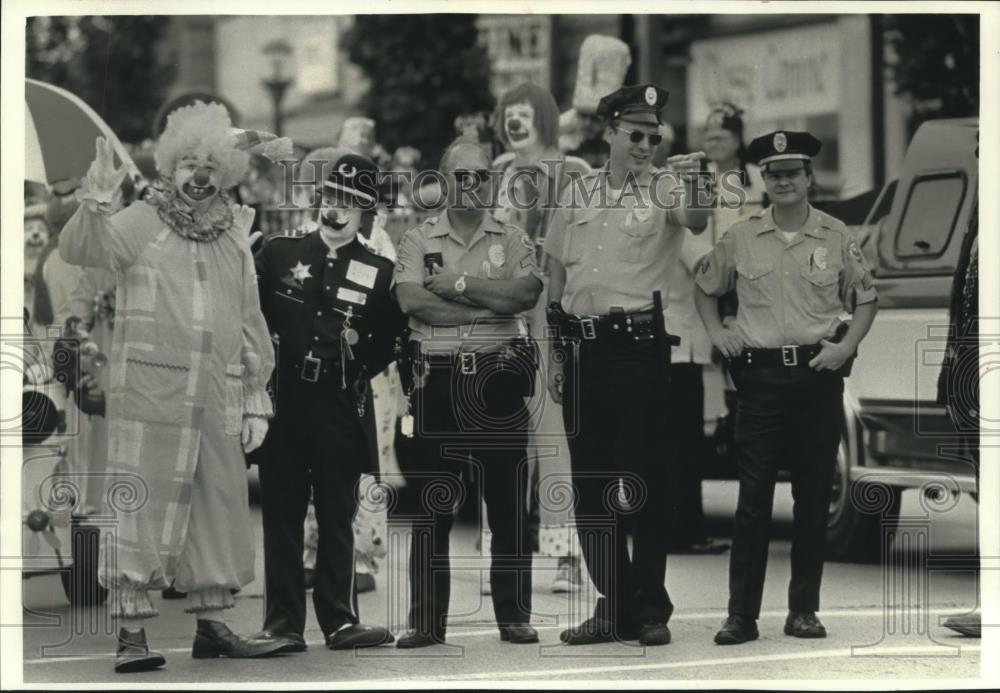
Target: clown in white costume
[190,359]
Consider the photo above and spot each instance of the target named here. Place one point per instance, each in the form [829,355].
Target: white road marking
[915,650]
[458,633]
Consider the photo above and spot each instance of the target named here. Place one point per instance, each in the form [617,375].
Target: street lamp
[279,54]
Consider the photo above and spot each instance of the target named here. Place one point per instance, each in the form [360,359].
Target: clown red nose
[202,176]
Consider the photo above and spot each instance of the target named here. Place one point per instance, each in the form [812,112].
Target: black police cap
[355,175]
[783,145]
[641,98]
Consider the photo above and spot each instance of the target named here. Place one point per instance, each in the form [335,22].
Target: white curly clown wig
[202,129]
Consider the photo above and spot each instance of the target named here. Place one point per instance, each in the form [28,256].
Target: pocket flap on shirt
[754,270]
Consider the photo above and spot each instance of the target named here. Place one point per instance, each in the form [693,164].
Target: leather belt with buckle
[619,325]
[789,356]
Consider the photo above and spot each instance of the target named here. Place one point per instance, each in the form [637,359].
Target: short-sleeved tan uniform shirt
[618,247]
[789,292]
[495,251]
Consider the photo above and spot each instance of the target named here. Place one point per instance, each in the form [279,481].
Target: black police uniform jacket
[306,296]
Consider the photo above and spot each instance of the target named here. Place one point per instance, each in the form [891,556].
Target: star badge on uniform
[300,272]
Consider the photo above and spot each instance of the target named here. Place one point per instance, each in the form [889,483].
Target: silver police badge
[651,96]
[819,258]
[780,142]
[496,255]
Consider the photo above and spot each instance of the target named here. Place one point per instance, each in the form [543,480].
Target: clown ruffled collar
[186,221]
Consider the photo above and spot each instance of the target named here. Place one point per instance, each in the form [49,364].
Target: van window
[930,214]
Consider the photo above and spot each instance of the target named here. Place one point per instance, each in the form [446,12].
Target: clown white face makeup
[197,178]
[519,125]
[339,216]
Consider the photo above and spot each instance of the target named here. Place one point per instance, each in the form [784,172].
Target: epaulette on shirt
[295,234]
[427,223]
[831,222]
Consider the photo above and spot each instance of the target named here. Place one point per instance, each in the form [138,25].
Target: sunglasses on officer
[468,178]
[636,136]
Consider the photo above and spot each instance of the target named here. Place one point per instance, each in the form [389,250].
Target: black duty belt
[519,354]
[638,325]
[790,356]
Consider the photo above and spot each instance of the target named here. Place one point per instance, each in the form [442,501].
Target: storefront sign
[771,75]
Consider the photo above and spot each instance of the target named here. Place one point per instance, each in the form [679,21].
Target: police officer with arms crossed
[327,300]
[795,270]
[462,277]
[611,247]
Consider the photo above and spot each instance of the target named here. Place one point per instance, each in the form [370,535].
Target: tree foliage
[935,63]
[111,62]
[423,71]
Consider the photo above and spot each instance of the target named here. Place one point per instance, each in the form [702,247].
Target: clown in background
[535,174]
[600,70]
[190,359]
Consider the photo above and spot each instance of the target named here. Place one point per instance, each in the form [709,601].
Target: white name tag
[360,273]
[351,296]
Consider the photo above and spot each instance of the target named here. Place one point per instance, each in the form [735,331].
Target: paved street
[853,611]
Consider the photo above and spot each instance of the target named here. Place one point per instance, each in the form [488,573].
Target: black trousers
[785,418]
[614,409]
[685,424]
[316,445]
[463,422]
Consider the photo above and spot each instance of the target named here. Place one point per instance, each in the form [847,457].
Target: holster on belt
[663,340]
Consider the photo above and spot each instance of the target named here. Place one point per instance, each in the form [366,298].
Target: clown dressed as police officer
[328,303]
[795,271]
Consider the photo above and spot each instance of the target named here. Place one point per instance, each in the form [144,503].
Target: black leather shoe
[214,639]
[293,641]
[357,636]
[654,634]
[172,593]
[804,624]
[518,634]
[593,631]
[737,630]
[364,582]
[417,638]
[133,653]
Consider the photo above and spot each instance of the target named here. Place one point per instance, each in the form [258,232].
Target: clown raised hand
[101,189]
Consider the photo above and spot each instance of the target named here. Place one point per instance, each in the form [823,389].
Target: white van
[895,435]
